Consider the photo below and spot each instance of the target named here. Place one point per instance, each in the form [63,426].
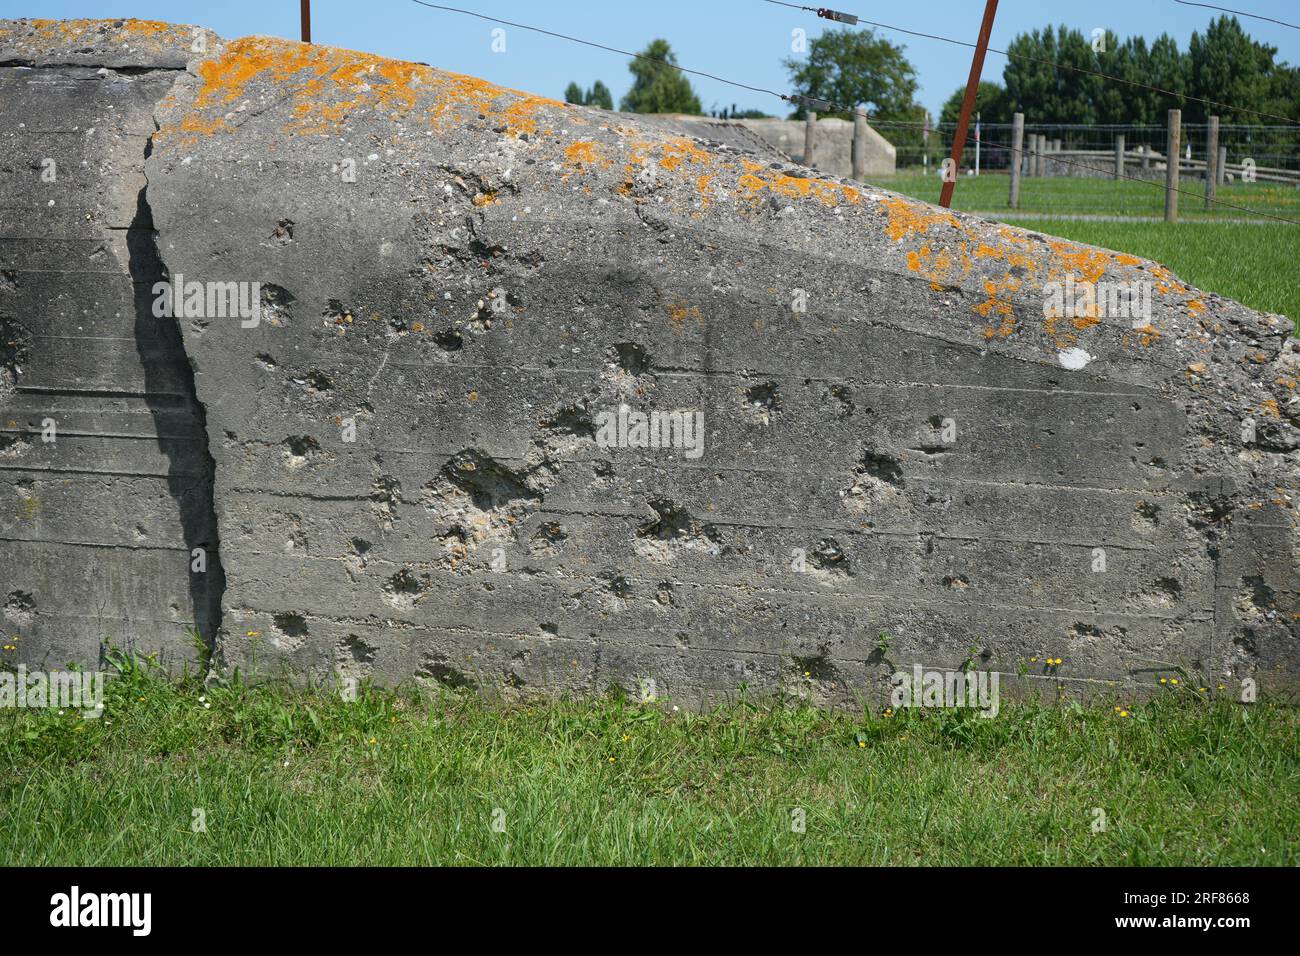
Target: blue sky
[744,40]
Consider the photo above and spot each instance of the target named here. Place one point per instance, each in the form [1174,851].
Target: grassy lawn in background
[1066,195]
[416,777]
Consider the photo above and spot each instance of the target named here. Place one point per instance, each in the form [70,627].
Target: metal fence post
[1119,156]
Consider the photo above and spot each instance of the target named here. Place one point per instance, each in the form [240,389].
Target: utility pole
[968,101]
[305,11]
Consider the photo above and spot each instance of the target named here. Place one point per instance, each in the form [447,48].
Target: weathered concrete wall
[502,269]
[98,525]
[832,145]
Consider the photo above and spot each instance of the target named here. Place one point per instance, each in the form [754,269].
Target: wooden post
[968,101]
[1171,165]
[1222,167]
[809,135]
[1211,160]
[860,144]
[1017,141]
[305,11]
[1119,156]
[1146,155]
[1040,156]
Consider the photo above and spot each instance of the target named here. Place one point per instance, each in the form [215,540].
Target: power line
[1253,16]
[1051,63]
[796,98]
[601,46]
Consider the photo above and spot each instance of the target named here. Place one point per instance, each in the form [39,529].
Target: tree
[856,68]
[600,96]
[573,94]
[658,87]
[1225,64]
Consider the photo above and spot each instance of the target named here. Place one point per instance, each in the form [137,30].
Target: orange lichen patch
[485,199]
[1146,335]
[1287,383]
[1124,259]
[1087,321]
[1196,306]
[586,153]
[702,187]
[908,218]
[325,85]
[1090,264]
[1269,407]
[678,315]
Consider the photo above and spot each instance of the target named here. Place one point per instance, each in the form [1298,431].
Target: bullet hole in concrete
[490,485]
[664,594]
[14,346]
[290,624]
[385,496]
[620,587]
[956,582]
[360,545]
[404,589]
[318,381]
[674,529]
[265,361]
[843,396]
[763,402]
[631,358]
[882,467]
[817,667]
[549,628]
[8,281]
[571,420]
[449,340]
[1146,516]
[1256,601]
[830,557]
[436,666]
[275,304]
[1206,510]
[603,469]
[336,313]
[355,649]
[547,538]
[1087,631]
[283,232]
[299,450]
[11,446]
[20,607]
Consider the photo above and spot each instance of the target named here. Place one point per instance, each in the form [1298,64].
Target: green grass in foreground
[296,777]
[1254,264]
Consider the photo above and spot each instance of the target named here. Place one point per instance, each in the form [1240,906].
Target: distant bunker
[358,368]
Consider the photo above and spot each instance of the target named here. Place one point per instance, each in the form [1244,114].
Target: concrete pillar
[1221,168]
[1211,160]
[1119,156]
[1171,165]
[1146,155]
[809,135]
[860,144]
[1017,141]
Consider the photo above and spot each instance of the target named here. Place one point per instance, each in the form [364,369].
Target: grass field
[284,777]
[1254,263]
[1059,196]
